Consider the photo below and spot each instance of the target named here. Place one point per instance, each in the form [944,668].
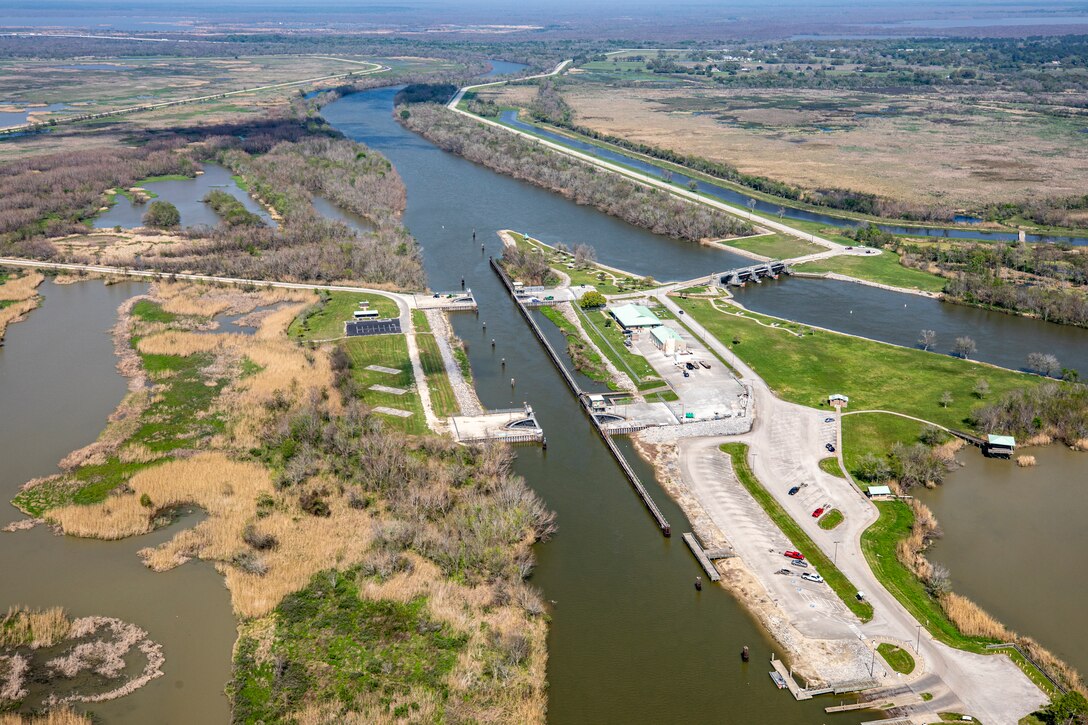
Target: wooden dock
[583,400]
[697,549]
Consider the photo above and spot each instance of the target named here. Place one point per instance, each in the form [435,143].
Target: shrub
[145,501]
[258,540]
[162,215]
[592,299]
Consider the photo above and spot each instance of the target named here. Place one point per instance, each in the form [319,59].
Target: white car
[812,577]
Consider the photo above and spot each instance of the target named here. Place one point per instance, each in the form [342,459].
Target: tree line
[510,154]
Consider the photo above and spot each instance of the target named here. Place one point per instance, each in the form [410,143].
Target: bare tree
[584,255]
[927,339]
[1044,364]
[946,399]
[982,388]
[965,347]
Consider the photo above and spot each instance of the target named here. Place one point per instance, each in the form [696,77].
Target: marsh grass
[59,716]
[33,628]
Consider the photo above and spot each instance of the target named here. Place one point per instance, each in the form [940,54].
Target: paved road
[644,179]
[405,303]
[787,443]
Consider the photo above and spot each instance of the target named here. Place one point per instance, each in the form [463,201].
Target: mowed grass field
[874,375]
[443,399]
[325,321]
[776,246]
[883,268]
[389,351]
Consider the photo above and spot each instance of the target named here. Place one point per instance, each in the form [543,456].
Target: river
[58,384]
[1014,542]
[630,638]
[898,318]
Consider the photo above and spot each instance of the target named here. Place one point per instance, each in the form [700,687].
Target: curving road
[786,444]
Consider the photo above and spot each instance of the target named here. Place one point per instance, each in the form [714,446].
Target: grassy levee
[883,268]
[879,543]
[585,359]
[776,246]
[832,574]
[434,369]
[896,657]
[325,320]
[875,376]
[610,340]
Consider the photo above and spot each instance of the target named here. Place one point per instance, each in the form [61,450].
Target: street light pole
[835,559]
[873,663]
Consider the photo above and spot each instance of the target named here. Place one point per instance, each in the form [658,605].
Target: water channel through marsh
[630,639]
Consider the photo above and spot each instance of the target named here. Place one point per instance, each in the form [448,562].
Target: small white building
[597,403]
[667,340]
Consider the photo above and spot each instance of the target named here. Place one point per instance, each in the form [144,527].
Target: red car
[794,555]
[818,513]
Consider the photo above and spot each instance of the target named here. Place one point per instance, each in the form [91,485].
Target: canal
[760,205]
[630,639]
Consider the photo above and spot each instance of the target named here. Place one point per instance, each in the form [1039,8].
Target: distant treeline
[510,154]
[1054,409]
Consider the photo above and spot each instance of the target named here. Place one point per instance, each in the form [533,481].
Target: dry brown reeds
[22,287]
[1025,461]
[57,716]
[33,627]
[972,620]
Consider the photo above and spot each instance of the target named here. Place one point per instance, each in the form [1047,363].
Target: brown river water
[58,384]
[1015,542]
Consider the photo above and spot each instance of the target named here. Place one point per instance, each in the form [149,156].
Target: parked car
[687,374]
[784,572]
[830,448]
[793,491]
[798,562]
[793,554]
[705,364]
[689,366]
[681,312]
[829,420]
[818,513]
[812,577]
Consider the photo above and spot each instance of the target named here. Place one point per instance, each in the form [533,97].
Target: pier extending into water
[583,399]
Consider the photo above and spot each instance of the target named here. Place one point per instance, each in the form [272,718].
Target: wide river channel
[630,641]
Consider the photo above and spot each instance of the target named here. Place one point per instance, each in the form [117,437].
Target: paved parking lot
[813,607]
[706,394]
[364,328]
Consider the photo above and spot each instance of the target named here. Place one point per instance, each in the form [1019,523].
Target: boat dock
[510,425]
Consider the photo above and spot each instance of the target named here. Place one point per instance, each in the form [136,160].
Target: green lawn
[388,351]
[443,400]
[874,375]
[325,320]
[896,657]
[831,465]
[830,520]
[605,281]
[832,574]
[776,246]
[883,268]
[609,338]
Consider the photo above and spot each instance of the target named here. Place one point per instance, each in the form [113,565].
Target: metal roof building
[635,316]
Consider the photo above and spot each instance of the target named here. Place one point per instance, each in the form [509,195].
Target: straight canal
[631,640]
